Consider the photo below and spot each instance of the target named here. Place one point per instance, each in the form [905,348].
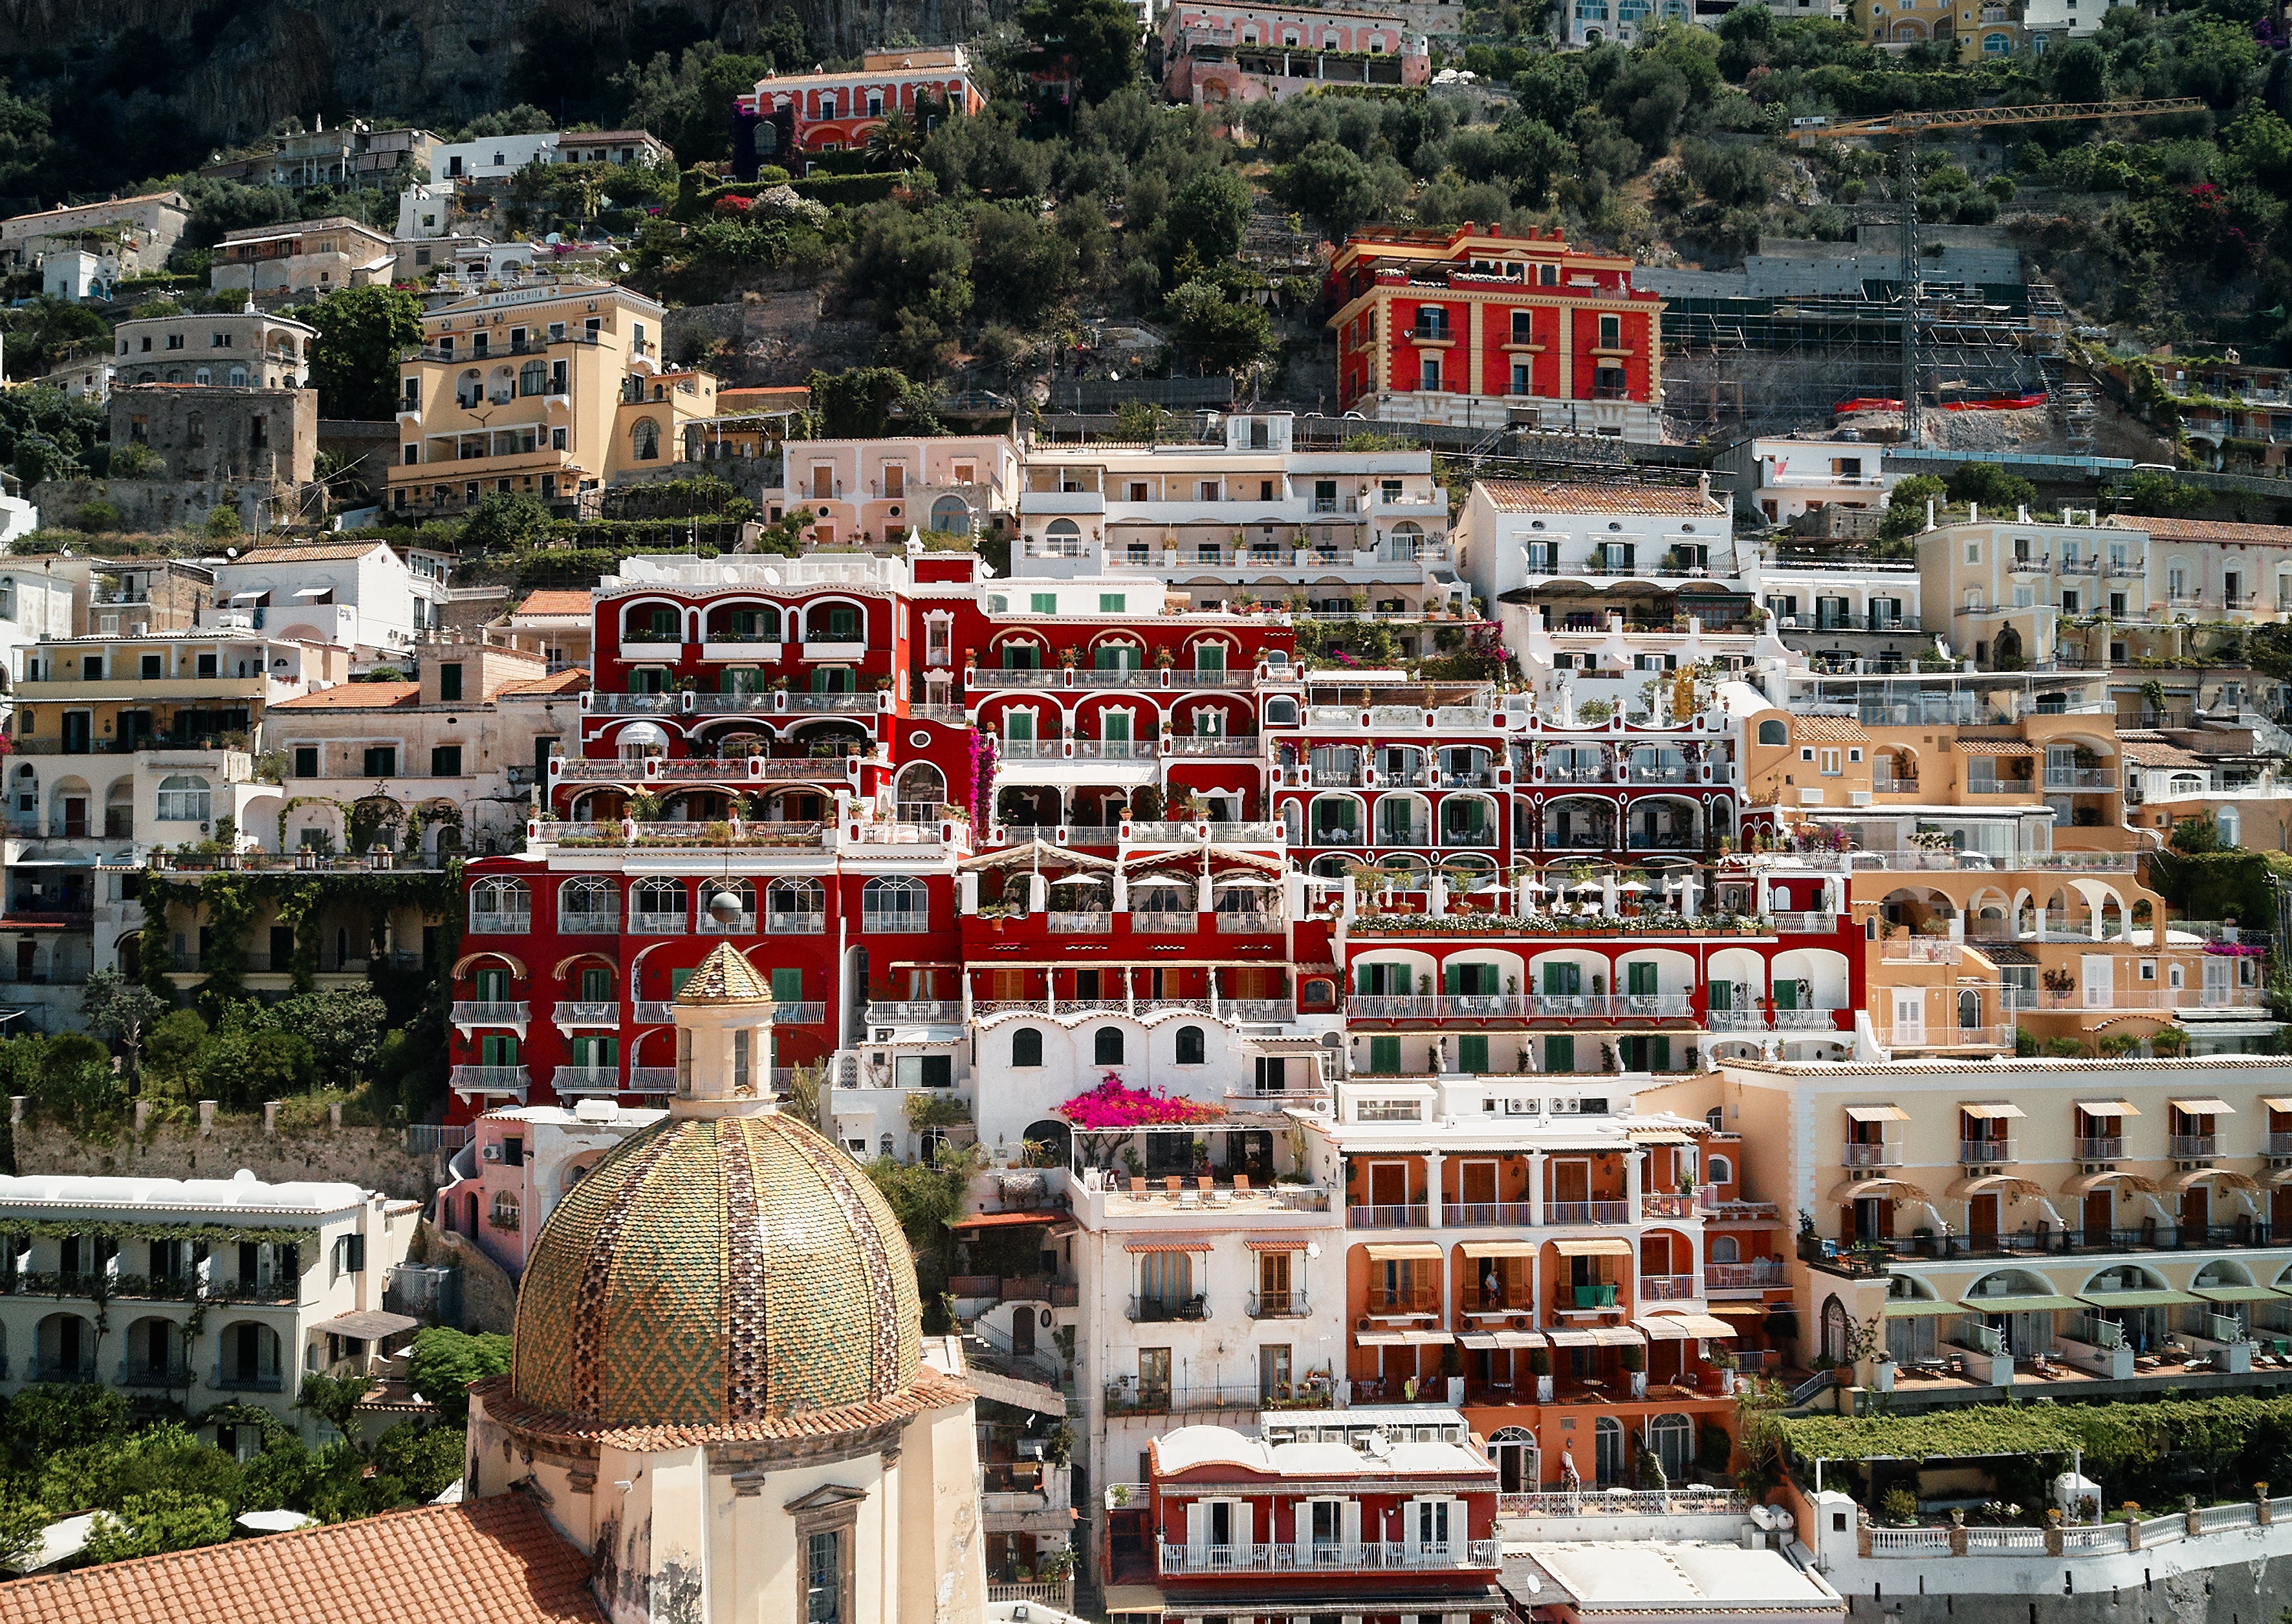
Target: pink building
[504,1183]
[1221,53]
[789,116]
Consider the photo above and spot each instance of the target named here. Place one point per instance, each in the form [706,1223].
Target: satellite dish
[724,908]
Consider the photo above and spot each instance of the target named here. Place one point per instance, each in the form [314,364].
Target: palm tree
[898,141]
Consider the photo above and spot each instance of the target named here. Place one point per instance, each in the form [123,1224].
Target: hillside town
[846,879]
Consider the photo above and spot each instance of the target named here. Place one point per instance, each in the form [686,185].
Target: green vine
[134,1229]
[232,901]
[292,801]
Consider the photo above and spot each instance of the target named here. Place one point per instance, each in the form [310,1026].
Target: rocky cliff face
[229,69]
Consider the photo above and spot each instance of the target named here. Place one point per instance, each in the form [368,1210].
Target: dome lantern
[723,1017]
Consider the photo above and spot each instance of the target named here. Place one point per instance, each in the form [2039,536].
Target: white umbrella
[1634,887]
[1246,883]
[1080,880]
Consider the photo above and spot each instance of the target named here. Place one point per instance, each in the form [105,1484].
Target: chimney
[1703,484]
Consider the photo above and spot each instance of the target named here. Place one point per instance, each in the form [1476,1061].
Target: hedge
[849,188]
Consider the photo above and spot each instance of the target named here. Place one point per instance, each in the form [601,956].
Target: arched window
[1771,732]
[238,377]
[469,389]
[890,905]
[1724,1249]
[1027,1047]
[1834,1331]
[194,430]
[1281,713]
[1719,1171]
[951,516]
[2228,823]
[587,906]
[921,792]
[656,906]
[1191,1049]
[504,1214]
[644,440]
[184,798]
[202,376]
[1106,1046]
[501,907]
[8,598]
[532,378]
[796,907]
[1513,1451]
[1672,1437]
[1607,1452]
[741,922]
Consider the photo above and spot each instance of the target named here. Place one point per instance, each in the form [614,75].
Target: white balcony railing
[1382,1555]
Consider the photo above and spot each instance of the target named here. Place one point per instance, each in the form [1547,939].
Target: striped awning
[1617,1336]
[1399,1251]
[2277,1102]
[1683,1326]
[2237,1294]
[1277,1243]
[1402,1338]
[1877,1114]
[2110,1107]
[1990,1109]
[1169,1244]
[1996,747]
[2202,1107]
[1567,1338]
[1593,1248]
[1917,1308]
[1493,1341]
[1499,1249]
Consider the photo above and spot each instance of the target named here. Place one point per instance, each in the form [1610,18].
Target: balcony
[652,1079]
[248,1381]
[794,924]
[2088,779]
[1669,1288]
[1485,1215]
[501,922]
[1250,923]
[1165,924]
[143,1373]
[2109,1147]
[1413,1216]
[480,1012]
[1587,1212]
[490,1079]
[1669,1205]
[1984,1153]
[586,1014]
[1743,1276]
[915,1012]
[739,924]
[607,922]
[1276,1305]
[586,1079]
[645,922]
[1862,1158]
[1388,1555]
[1168,1310]
[1080,924]
[54,1369]
[2194,1147]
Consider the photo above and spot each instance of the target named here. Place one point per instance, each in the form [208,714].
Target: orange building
[1489,327]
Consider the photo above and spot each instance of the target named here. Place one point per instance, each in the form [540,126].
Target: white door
[1910,1015]
[2100,980]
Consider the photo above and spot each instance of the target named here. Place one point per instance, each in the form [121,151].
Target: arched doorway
[1672,1437]
[1836,1330]
[1608,1453]
[1518,1464]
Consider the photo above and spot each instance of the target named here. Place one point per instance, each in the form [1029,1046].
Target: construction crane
[1906,127]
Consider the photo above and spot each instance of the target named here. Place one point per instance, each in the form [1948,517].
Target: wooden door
[2196,1211]
[1981,1216]
[2100,1215]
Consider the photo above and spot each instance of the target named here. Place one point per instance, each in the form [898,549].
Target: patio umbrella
[1246,883]
[1633,888]
[1092,879]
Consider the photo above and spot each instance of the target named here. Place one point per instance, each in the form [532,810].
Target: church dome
[717,1272]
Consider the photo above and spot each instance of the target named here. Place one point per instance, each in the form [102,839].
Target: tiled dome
[714,1271]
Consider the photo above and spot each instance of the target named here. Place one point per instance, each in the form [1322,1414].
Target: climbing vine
[232,900]
[134,1229]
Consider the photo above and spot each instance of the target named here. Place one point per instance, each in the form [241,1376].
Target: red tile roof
[2203,530]
[496,1561]
[555,603]
[1542,496]
[324,553]
[572,679]
[355,697]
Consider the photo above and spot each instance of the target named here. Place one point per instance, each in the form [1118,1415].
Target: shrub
[1900,1505]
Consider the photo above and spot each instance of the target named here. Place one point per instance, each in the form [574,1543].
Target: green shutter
[1785,994]
[499,1048]
[787,986]
[1452,979]
[1659,1054]
[596,985]
[1364,980]
[676,980]
[1385,1056]
[1722,995]
[1641,979]
[1559,1054]
[1473,1055]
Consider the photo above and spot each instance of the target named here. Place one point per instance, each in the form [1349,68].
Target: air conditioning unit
[491,1152]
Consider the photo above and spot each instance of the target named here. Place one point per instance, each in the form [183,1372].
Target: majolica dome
[712,1272]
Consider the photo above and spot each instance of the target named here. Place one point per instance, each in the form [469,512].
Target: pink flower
[1112,1105]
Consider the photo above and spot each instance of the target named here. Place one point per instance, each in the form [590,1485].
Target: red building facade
[1485,326]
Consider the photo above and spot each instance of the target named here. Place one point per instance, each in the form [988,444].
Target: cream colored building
[315,256]
[878,490]
[241,349]
[721,1388]
[548,390]
[2071,1227]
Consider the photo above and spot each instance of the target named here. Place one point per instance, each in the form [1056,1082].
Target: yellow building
[1997,886]
[548,389]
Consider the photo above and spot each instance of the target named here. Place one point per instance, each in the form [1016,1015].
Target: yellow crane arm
[1975,118]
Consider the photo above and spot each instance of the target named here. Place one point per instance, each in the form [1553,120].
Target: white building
[241,350]
[74,274]
[354,595]
[211,1290]
[1783,476]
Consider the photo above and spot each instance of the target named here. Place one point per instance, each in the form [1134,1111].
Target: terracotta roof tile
[1996,747]
[324,553]
[554,602]
[496,1560]
[2151,749]
[725,977]
[1542,496]
[572,679]
[355,697]
[1828,729]
[2204,530]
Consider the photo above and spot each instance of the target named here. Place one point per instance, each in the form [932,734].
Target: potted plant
[1539,1365]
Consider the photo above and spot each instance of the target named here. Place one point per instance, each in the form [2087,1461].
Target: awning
[2233,1180]
[1683,1327]
[312,591]
[2110,1107]
[368,1324]
[2237,1294]
[1593,1248]
[2202,1107]
[1570,1338]
[239,596]
[1169,1244]
[1009,1221]
[1499,1249]
[1862,1189]
[1393,1251]
[1658,1136]
[1877,1114]
[2032,1304]
[1120,1599]
[1513,1340]
[1742,1311]
[2138,1299]
[2277,1102]
[1990,1110]
[1277,1243]
[1917,1308]
[1402,1338]
[2085,1183]
[1617,1336]
[2000,1184]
